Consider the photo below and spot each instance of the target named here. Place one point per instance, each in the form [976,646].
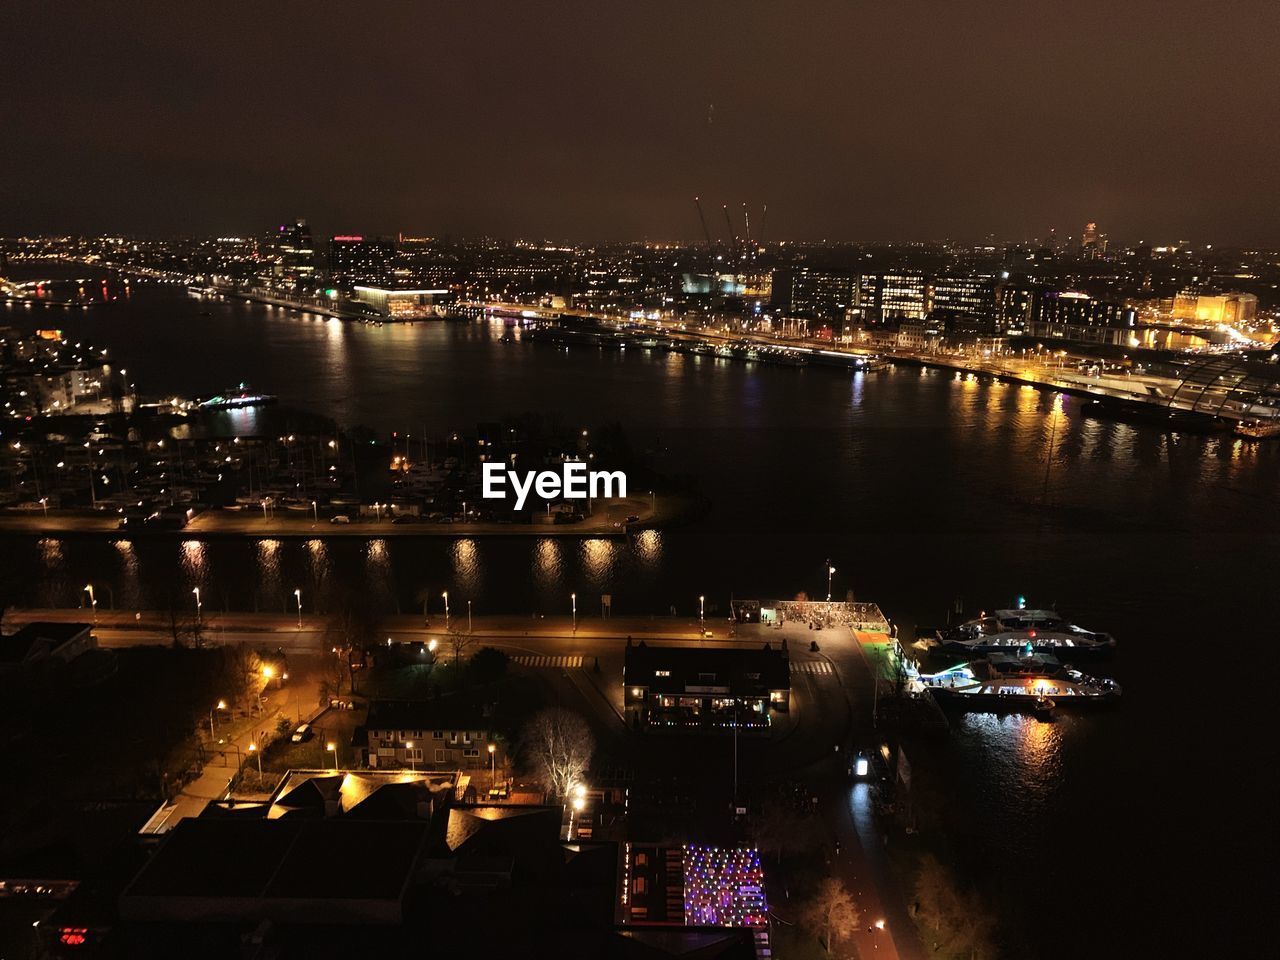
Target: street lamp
[93,601]
[253,748]
[493,765]
[446,609]
[220,705]
[468,616]
[830,572]
[44,502]
[297,595]
[408,747]
[196,591]
[702,609]
[574,598]
[333,748]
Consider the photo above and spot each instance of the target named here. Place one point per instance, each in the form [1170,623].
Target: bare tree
[958,923]
[458,642]
[778,829]
[831,911]
[559,746]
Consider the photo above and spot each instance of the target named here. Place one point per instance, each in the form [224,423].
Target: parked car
[340,518]
[303,733]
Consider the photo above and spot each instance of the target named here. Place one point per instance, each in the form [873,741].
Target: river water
[920,486]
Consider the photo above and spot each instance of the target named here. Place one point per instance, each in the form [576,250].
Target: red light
[73,936]
[1032,633]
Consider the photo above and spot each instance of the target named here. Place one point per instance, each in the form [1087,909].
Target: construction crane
[697,202]
[763,213]
[733,237]
[746,218]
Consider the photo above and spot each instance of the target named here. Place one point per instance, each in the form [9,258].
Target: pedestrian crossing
[812,666]
[541,661]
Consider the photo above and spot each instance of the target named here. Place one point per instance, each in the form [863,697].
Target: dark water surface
[920,486]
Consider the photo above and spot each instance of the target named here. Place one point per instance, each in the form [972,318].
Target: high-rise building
[293,255]
[364,260]
[821,293]
[903,296]
[971,296]
[1067,315]
[1092,243]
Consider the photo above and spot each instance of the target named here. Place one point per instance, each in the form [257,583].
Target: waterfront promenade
[609,519]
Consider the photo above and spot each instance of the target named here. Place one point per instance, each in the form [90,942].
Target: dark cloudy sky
[852,119]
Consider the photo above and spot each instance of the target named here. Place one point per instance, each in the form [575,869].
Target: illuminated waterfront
[922,487]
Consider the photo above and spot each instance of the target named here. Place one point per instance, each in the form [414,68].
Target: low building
[403,304]
[448,733]
[45,642]
[705,689]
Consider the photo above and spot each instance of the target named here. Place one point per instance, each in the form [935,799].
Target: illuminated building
[903,295]
[696,689]
[1092,243]
[293,251]
[692,886]
[819,293]
[365,260]
[972,296]
[1067,315]
[1230,308]
[403,304]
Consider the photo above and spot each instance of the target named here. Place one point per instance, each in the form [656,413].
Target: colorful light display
[723,887]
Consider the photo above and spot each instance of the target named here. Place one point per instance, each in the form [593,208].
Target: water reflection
[468,573]
[597,561]
[548,565]
[648,545]
[129,586]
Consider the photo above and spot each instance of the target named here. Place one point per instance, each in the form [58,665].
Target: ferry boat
[1034,682]
[237,397]
[1035,631]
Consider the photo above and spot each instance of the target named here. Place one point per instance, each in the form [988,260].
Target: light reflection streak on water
[193,559]
[130,588]
[548,565]
[1024,753]
[268,557]
[648,547]
[468,571]
[597,560]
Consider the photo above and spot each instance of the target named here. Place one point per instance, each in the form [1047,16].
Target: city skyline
[594,123]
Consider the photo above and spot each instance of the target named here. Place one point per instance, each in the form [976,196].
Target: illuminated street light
[468,616]
[702,609]
[93,601]
[408,746]
[574,598]
[333,748]
[196,591]
[446,609]
[830,572]
[253,748]
[297,595]
[493,764]
[220,705]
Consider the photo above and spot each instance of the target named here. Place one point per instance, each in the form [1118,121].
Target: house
[45,642]
[672,688]
[454,733]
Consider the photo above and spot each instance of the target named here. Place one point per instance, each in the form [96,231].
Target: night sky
[852,119]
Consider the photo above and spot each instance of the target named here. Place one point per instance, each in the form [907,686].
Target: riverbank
[609,520]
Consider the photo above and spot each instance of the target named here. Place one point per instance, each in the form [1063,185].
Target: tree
[957,921]
[831,911]
[458,642]
[351,628]
[487,664]
[558,745]
[777,828]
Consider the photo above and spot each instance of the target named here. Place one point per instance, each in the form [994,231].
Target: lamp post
[574,598]
[93,601]
[468,616]
[220,705]
[446,609]
[333,748]
[493,765]
[830,573]
[408,749]
[297,595]
[315,512]
[44,502]
[702,609]
[253,748]
[196,591]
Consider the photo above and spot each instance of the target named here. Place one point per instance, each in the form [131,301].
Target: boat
[1035,631]
[237,397]
[1031,682]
